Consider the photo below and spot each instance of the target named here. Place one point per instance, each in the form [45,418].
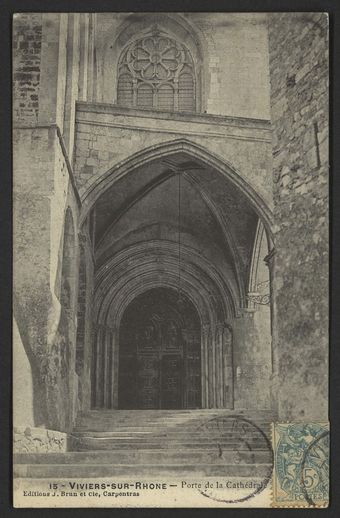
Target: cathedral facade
[170,215]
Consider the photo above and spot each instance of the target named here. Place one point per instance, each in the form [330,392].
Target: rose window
[156,72]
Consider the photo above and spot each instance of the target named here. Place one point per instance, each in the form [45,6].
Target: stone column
[228,371]
[219,365]
[72,82]
[205,365]
[106,366]
[270,262]
[211,369]
[112,389]
[83,60]
[89,335]
[53,69]
[98,367]
[114,368]
[91,53]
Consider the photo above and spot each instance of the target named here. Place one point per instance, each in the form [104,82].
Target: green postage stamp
[301,464]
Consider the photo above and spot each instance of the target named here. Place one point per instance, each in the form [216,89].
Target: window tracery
[156,72]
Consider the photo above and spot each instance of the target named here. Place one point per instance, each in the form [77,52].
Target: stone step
[113,444]
[173,432]
[162,424]
[188,411]
[168,430]
[179,433]
[146,456]
[156,415]
[143,425]
[148,470]
[167,434]
[143,421]
[156,443]
[166,419]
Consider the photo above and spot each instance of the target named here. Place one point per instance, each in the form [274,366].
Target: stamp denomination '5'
[301,465]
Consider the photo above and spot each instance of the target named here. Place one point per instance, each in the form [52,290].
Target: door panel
[192,373]
[171,381]
[148,380]
[159,353]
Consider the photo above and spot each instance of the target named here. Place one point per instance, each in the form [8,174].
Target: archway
[192,153]
[160,352]
[172,218]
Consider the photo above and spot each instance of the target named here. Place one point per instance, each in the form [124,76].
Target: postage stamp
[301,464]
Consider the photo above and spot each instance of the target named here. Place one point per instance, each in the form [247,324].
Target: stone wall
[237,82]
[27,34]
[107,135]
[252,360]
[42,192]
[50,73]
[298,48]
[27,439]
[23,414]
[233,59]
[84,321]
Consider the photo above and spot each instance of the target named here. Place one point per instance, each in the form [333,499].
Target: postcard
[170,186]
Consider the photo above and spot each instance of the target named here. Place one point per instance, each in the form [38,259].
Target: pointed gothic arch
[166,149]
[122,277]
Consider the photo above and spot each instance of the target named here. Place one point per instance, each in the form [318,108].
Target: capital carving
[260,296]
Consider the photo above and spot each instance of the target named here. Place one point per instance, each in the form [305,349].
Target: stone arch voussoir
[194,150]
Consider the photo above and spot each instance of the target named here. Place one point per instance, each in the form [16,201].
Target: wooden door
[147,363]
[159,353]
[171,381]
[192,368]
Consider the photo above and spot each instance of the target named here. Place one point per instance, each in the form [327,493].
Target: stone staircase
[108,443]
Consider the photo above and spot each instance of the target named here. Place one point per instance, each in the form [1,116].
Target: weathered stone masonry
[72,146]
[26,66]
[299,107]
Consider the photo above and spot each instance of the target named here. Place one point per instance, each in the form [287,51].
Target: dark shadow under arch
[160,352]
[166,149]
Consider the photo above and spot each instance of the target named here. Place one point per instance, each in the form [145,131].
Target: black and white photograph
[170,259]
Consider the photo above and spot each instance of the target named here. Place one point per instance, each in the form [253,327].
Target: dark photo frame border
[7,8]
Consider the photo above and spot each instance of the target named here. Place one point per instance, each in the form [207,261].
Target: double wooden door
[161,369]
[159,380]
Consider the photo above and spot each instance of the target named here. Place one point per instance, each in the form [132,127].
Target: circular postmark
[241,445]
[315,470]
